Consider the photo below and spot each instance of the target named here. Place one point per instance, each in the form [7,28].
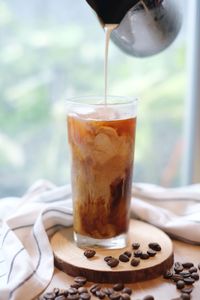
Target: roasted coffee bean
[99,294]
[177,277]
[49,296]
[60,297]
[127,290]
[168,274]
[151,252]
[185,274]
[73,297]
[185,296]
[107,291]
[123,257]
[193,270]
[188,280]
[85,296]
[80,280]
[89,253]
[187,265]
[125,296]
[135,262]
[144,256]
[178,267]
[118,286]
[135,246]
[137,253]
[76,285]
[72,291]
[180,284]
[113,262]
[195,276]
[187,290]
[128,253]
[63,292]
[82,290]
[155,246]
[149,297]
[107,258]
[115,296]
[94,288]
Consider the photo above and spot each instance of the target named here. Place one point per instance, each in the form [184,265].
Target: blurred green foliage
[44,63]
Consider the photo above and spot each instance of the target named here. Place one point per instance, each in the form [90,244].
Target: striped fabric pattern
[26,258]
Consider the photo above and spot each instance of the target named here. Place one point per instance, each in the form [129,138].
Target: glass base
[116,242]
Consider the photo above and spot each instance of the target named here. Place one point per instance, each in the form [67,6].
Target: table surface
[160,288]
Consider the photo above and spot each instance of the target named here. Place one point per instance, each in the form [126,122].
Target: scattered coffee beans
[185,274]
[135,262]
[187,290]
[135,246]
[128,253]
[195,276]
[177,277]
[89,253]
[125,297]
[193,270]
[180,284]
[80,280]
[151,252]
[100,294]
[82,290]
[123,258]
[73,297]
[168,274]
[76,285]
[185,296]
[94,288]
[72,291]
[137,253]
[113,262]
[49,296]
[106,258]
[189,280]
[107,291]
[127,290]
[148,298]
[155,246]
[118,287]
[178,267]
[85,296]
[187,265]
[144,256]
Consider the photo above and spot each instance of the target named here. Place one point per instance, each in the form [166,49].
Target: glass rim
[121,100]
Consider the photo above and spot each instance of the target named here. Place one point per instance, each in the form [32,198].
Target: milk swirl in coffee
[102,139]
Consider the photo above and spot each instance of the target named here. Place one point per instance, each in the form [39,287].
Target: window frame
[191,163]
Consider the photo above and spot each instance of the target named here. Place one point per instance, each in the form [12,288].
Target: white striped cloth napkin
[26,259]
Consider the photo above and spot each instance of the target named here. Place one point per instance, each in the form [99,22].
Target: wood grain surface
[70,259]
[160,288]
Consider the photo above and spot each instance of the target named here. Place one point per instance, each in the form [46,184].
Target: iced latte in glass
[101,139]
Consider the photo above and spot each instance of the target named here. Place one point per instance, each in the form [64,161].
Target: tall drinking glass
[102,139]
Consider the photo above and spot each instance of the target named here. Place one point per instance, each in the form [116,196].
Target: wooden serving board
[70,259]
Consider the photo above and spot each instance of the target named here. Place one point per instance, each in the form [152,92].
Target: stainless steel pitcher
[146,27]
